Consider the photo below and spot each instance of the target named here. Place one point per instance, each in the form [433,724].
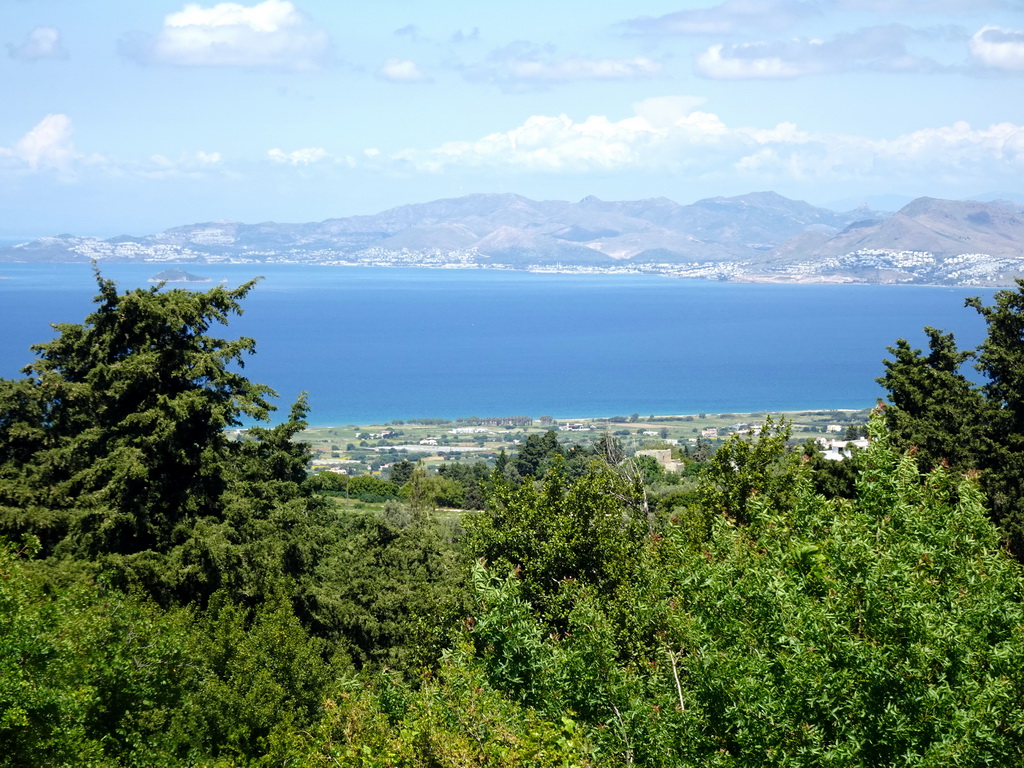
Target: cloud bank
[670,135]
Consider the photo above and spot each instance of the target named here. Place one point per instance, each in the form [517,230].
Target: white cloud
[880,48]
[271,34]
[959,146]
[671,136]
[47,146]
[521,65]
[208,158]
[42,43]
[656,133]
[999,48]
[270,16]
[737,63]
[662,112]
[190,165]
[401,71]
[305,156]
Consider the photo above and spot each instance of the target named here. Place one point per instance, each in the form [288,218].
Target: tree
[1001,360]
[370,488]
[937,409]
[944,418]
[586,530]
[609,449]
[647,468]
[128,413]
[474,481]
[87,676]
[832,479]
[755,465]
[400,472]
[702,451]
[116,448]
[535,454]
[390,589]
[855,432]
[420,491]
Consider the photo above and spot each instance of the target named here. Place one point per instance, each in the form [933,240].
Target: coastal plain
[368,448]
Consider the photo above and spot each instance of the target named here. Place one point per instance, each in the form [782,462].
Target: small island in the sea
[177,276]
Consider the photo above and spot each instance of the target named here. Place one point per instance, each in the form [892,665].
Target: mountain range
[760,236]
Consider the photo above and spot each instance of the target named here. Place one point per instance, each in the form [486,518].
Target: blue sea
[376,344]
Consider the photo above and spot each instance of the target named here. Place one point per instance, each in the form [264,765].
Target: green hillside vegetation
[178,590]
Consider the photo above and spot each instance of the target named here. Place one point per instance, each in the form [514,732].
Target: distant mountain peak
[919,205]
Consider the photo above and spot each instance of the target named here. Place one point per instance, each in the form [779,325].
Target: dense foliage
[174,591]
[946,419]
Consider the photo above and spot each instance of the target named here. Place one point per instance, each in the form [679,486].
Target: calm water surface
[377,344]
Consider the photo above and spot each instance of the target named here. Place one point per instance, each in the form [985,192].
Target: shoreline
[439,422]
[637,270]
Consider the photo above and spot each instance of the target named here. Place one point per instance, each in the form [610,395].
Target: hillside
[928,240]
[760,236]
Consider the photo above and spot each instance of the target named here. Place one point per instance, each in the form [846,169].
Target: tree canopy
[116,447]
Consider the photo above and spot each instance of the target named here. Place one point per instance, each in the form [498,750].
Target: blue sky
[129,117]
